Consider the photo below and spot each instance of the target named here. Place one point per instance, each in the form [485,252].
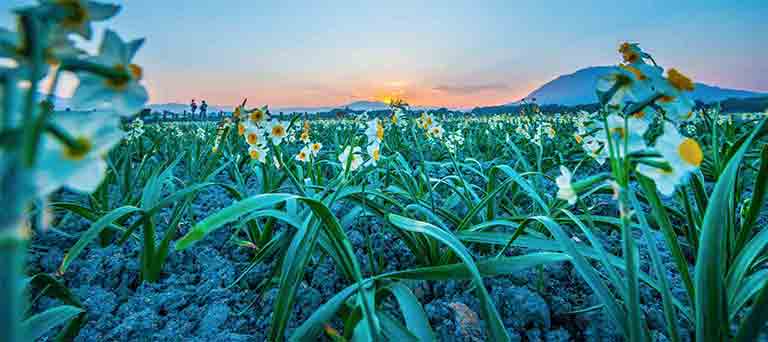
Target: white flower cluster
[200,133]
[135,129]
[636,93]
[455,139]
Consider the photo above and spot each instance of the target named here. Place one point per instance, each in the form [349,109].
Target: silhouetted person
[203,110]
[193,107]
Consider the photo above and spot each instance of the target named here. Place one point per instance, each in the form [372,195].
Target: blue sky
[454,53]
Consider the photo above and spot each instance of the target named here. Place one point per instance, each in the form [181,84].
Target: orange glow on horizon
[224,93]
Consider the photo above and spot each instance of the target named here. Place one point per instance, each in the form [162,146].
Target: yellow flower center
[578,138]
[690,152]
[304,136]
[120,83]
[302,155]
[136,71]
[257,116]
[376,154]
[278,131]
[240,128]
[679,81]
[255,154]
[252,138]
[82,146]
[379,131]
[315,147]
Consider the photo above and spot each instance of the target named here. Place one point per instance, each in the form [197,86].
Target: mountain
[578,88]
[367,105]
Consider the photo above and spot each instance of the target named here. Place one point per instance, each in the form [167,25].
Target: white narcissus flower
[426,121]
[375,131]
[81,168]
[354,154]
[316,147]
[126,96]
[303,154]
[683,154]
[594,149]
[674,102]
[436,131]
[257,116]
[632,83]
[277,131]
[257,153]
[374,151]
[665,178]
[565,189]
[253,135]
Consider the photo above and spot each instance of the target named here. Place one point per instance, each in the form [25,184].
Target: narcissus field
[642,221]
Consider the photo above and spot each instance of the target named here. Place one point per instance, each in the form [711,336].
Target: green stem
[12,250]
[32,38]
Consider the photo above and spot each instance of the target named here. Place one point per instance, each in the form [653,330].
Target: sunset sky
[447,53]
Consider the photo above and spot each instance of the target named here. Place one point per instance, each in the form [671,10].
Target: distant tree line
[733,105]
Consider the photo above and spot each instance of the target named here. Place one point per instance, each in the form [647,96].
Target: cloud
[470,88]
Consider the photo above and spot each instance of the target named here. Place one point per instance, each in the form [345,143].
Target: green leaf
[711,311]
[227,215]
[394,331]
[670,236]
[39,324]
[92,233]
[661,274]
[754,323]
[314,324]
[413,313]
[496,328]
[758,199]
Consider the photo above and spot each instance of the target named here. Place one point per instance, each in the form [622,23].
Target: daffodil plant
[44,150]
[636,95]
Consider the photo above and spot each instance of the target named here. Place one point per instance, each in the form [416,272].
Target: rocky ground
[197,298]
